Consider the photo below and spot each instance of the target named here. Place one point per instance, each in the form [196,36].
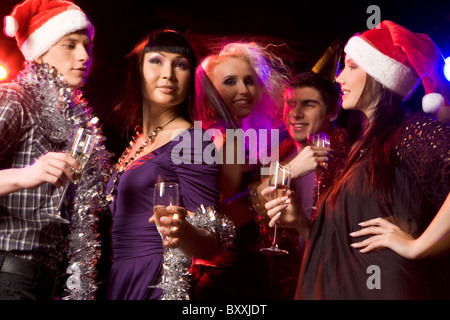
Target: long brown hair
[375,150]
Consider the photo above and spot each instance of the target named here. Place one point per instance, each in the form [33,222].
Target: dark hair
[376,147]
[131,101]
[327,90]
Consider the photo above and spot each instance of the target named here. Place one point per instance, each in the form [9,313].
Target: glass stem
[61,201]
[275,236]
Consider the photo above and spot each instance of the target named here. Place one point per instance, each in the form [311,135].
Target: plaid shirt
[23,232]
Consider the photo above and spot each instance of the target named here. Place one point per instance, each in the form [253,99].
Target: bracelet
[218,224]
[175,280]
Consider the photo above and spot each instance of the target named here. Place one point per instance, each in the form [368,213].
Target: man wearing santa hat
[38,112]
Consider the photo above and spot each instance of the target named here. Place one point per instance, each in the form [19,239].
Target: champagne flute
[81,149]
[319,140]
[165,194]
[281,180]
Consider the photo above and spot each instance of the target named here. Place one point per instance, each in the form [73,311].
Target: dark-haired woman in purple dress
[158,98]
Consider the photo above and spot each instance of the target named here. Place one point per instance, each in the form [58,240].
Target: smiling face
[237,84]
[166,78]
[353,80]
[304,113]
[71,56]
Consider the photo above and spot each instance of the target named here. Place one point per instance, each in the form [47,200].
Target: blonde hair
[269,70]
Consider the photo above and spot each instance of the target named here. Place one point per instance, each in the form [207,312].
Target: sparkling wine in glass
[281,180]
[165,194]
[81,148]
[319,140]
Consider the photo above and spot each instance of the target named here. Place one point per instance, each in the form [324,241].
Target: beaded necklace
[122,165]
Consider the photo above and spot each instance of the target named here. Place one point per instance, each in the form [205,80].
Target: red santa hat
[399,59]
[39,24]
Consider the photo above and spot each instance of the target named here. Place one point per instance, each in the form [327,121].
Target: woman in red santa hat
[38,112]
[398,170]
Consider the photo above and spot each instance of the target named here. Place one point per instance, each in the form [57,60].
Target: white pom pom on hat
[11,26]
[432,102]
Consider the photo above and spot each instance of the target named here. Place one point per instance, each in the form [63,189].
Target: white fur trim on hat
[386,70]
[11,26]
[52,31]
[432,102]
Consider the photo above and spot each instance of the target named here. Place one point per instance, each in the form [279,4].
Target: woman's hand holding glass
[280,181]
[170,225]
[286,211]
[167,214]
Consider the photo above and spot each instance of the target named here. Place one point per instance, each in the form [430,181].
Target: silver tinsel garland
[176,279]
[61,110]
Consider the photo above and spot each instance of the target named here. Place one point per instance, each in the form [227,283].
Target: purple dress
[136,244]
